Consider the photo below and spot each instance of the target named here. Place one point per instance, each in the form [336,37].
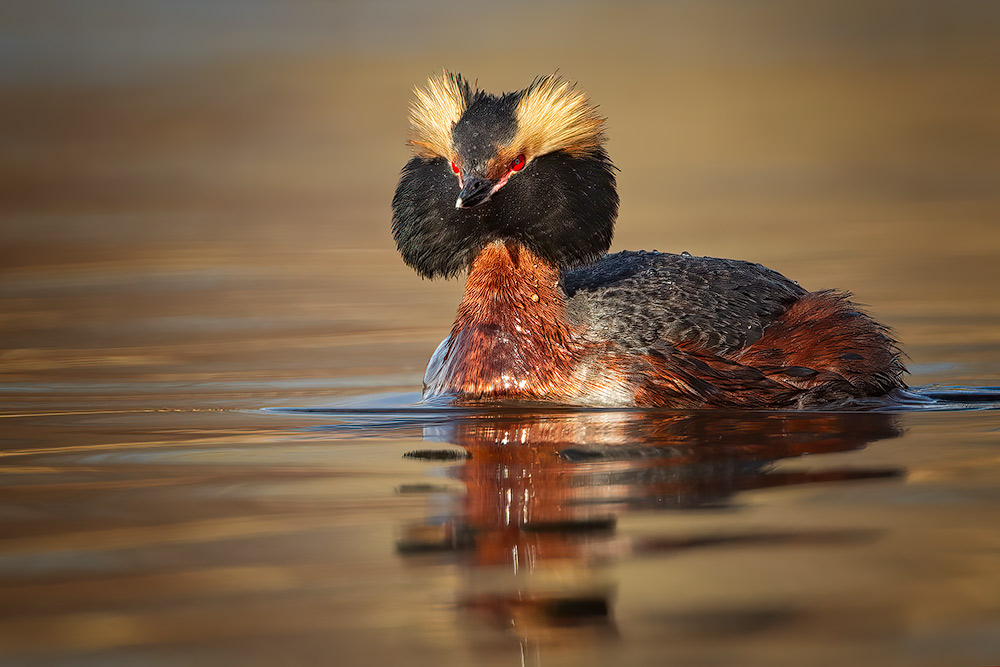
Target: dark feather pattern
[645,298]
[561,208]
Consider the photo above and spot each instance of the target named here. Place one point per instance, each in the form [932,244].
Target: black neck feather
[562,208]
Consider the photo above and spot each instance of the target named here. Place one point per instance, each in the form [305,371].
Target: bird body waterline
[517,190]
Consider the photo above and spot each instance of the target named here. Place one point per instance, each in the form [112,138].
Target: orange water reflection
[543,495]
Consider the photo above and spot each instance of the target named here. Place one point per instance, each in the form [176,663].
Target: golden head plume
[553,115]
[435,111]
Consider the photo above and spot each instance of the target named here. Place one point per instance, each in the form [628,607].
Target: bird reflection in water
[543,493]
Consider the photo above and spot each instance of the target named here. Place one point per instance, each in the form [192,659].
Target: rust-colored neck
[511,337]
[511,287]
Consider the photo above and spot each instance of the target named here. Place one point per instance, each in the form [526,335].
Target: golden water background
[194,224]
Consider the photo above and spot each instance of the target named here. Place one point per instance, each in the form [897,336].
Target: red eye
[517,164]
[454,167]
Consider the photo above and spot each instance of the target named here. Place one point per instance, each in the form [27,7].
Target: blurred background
[201,189]
[194,224]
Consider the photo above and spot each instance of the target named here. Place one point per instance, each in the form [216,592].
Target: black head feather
[489,121]
[561,206]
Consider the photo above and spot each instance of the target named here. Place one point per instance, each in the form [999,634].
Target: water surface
[194,240]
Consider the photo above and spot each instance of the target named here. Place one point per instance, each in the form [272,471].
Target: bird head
[527,167]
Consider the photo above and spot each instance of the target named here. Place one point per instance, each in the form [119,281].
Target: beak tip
[476,191]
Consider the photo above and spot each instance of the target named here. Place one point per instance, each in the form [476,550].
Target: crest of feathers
[551,115]
[435,111]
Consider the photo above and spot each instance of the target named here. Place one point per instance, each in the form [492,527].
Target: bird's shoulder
[643,299]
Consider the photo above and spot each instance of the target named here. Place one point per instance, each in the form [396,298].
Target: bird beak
[475,191]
